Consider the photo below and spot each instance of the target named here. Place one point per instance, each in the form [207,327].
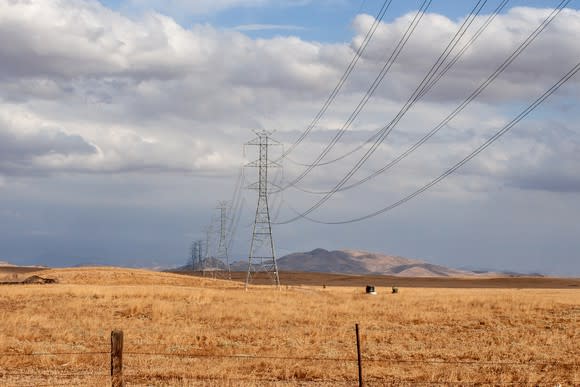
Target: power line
[371,90]
[208,244]
[235,209]
[449,117]
[384,132]
[278,201]
[473,38]
[473,154]
[369,35]
[418,91]
[426,90]
[415,95]
[235,224]
[387,129]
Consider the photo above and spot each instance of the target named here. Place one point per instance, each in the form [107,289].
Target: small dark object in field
[370,289]
[38,280]
[395,290]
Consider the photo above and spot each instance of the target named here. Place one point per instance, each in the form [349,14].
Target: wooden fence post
[359,357]
[117,359]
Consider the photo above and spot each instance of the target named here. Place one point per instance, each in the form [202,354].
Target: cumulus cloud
[26,143]
[152,95]
[547,57]
[23,147]
[83,39]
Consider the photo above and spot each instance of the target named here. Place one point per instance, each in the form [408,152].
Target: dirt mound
[34,279]
[38,280]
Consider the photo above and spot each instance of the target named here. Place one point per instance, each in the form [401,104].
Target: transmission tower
[206,259]
[222,249]
[196,256]
[262,257]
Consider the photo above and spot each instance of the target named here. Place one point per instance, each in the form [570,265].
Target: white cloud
[125,81]
[548,56]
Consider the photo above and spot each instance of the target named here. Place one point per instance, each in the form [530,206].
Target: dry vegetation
[416,337]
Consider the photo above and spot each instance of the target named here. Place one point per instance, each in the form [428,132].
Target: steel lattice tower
[262,257]
[196,256]
[222,249]
[208,232]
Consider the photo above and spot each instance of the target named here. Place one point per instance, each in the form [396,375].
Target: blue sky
[324,21]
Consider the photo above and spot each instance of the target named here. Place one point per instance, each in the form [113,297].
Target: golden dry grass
[300,335]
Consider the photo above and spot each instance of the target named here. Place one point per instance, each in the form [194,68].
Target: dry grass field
[182,330]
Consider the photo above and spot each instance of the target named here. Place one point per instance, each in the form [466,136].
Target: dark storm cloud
[19,152]
[555,181]
[557,171]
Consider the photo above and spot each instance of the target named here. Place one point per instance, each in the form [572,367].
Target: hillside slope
[363,262]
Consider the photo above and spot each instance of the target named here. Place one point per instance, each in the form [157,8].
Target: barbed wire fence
[129,374]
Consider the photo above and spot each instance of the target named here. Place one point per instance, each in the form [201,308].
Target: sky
[122,124]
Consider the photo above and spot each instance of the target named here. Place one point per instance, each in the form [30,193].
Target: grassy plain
[218,334]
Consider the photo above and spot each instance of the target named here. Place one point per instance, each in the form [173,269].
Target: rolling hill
[363,262]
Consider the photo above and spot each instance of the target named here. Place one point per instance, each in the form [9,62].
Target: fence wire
[53,373]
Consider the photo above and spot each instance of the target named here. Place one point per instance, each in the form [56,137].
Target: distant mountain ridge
[358,262]
[210,264]
[364,262]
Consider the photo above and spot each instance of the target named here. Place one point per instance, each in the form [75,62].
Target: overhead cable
[369,35]
[418,91]
[236,207]
[373,87]
[428,88]
[466,159]
[386,130]
[445,121]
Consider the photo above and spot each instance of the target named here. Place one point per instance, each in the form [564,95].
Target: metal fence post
[359,357]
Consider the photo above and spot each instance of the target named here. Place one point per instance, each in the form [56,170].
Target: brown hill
[363,262]
[106,276]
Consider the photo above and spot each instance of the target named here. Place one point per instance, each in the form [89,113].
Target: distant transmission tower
[206,259]
[262,258]
[216,262]
[196,256]
[222,249]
